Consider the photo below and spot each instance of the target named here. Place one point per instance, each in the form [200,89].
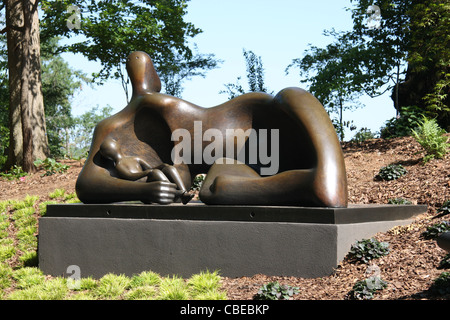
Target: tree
[59,83]
[255,77]
[406,52]
[83,129]
[332,74]
[28,139]
[111,30]
[428,76]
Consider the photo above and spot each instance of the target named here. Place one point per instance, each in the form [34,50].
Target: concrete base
[127,238]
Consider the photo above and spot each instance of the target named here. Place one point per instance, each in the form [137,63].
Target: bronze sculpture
[310,169]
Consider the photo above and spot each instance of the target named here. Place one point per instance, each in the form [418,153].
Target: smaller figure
[135,168]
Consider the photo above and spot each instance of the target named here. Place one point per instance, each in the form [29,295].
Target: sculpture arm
[286,188]
[96,185]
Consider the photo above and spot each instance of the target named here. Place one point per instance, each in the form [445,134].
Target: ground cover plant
[21,279]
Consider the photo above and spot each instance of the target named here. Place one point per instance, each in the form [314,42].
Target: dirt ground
[413,262]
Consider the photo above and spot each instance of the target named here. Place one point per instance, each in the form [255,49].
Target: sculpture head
[142,73]
[110,149]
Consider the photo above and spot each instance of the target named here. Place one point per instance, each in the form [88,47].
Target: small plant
[111,286]
[435,230]
[365,289]
[368,249]
[145,278]
[444,209]
[28,277]
[399,201]
[57,193]
[15,172]
[409,119]
[362,135]
[173,288]
[203,282]
[275,291]
[431,137]
[51,166]
[391,172]
[445,262]
[197,183]
[441,284]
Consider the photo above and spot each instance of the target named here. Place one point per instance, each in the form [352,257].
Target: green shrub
[441,284]
[275,291]
[368,249]
[365,289]
[431,137]
[51,166]
[15,172]
[444,209]
[362,135]
[391,172]
[402,126]
[445,262]
[432,232]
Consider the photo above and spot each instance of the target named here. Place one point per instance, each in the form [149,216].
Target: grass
[21,279]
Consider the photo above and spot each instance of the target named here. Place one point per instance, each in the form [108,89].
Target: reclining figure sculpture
[306,167]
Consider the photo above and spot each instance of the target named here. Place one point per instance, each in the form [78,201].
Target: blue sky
[277,31]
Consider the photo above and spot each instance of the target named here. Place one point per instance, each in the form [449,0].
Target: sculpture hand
[161,192]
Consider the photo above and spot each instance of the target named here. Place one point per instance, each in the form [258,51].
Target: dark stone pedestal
[127,238]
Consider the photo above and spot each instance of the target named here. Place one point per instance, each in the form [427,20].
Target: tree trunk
[28,139]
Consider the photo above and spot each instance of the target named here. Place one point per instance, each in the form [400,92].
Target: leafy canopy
[108,31]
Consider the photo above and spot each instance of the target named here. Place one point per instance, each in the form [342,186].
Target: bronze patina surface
[311,168]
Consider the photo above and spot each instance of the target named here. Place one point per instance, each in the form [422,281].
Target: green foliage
[333,76]
[391,172]
[445,262]
[156,27]
[203,282]
[7,251]
[403,125]
[51,166]
[362,135]
[27,277]
[429,55]
[15,172]
[432,232]
[111,286]
[173,288]
[57,193]
[197,183]
[84,129]
[431,137]
[441,284]
[365,289]
[368,249]
[275,291]
[255,77]
[399,201]
[444,209]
